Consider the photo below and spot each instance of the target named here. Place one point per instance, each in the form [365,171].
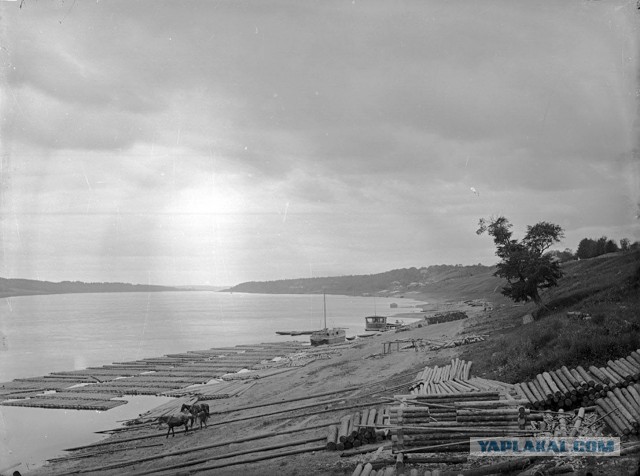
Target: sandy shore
[361,364]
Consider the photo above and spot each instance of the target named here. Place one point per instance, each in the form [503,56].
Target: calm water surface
[44,334]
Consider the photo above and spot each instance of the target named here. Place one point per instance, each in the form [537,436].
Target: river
[44,334]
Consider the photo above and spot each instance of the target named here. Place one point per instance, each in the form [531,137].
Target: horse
[177,420]
[196,409]
[202,417]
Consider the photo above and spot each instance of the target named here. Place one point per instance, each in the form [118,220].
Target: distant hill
[201,287]
[26,287]
[390,283]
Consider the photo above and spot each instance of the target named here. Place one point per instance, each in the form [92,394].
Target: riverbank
[360,364]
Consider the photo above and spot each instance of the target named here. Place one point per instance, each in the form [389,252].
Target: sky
[218,142]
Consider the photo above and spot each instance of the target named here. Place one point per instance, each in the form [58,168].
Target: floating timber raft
[189,374]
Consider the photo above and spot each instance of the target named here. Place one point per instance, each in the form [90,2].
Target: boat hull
[328,336]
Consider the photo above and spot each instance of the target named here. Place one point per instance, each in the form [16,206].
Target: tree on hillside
[587,248]
[624,244]
[526,264]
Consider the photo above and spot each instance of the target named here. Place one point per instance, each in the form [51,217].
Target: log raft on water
[149,376]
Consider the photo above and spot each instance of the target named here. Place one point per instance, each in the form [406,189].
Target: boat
[327,336]
[379,323]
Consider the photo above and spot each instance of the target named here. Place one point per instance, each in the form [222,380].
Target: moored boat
[379,324]
[324,336]
[328,336]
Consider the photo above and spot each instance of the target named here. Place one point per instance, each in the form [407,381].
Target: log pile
[446,422]
[446,317]
[454,378]
[572,388]
[359,428]
[455,342]
[620,409]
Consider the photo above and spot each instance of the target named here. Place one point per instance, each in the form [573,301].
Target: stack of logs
[620,409]
[456,342]
[446,317]
[454,378]
[358,428]
[571,388]
[445,423]
[457,369]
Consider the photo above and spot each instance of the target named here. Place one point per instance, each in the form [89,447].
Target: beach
[362,367]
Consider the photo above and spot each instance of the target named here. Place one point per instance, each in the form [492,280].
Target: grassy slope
[604,287]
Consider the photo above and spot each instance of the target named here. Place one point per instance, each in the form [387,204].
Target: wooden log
[515,411]
[623,410]
[364,417]
[543,386]
[579,378]
[539,398]
[598,373]
[355,424]
[622,373]
[489,404]
[544,391]
[634,392]
[620,380]
[371,420]
[614,381]
[616,414]
[344,432]
[635,355]
[629,403]
[458,397]
[553,388]
[585,375]
[631,369]
[569,376]
[633,363]
[566,382]
[332,437]
[524,391]
[560,384]
[577,423]
[366,471]
[610,419]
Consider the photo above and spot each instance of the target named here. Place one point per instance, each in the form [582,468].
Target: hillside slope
[26,287]
[394,282]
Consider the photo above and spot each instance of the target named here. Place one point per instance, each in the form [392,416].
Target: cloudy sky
[216,142]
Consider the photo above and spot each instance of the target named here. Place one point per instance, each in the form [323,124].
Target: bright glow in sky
[226,141]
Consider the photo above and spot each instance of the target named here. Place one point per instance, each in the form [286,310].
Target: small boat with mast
[327,336]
